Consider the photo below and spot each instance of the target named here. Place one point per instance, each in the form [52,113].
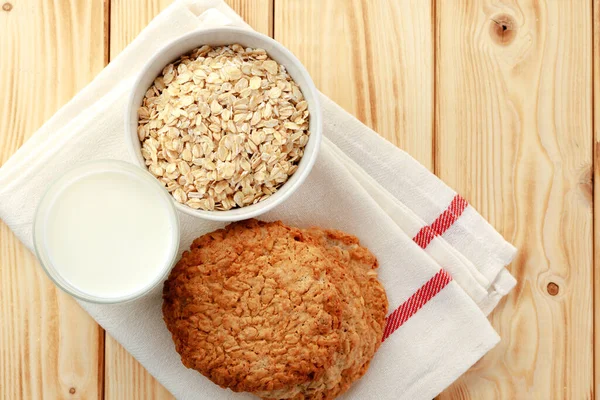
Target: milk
[110,234]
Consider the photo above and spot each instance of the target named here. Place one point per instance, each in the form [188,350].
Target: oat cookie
[281,312]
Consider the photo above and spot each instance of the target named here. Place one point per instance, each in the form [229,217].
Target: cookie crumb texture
[280,312]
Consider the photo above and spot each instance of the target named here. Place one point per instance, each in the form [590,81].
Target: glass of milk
[106,232]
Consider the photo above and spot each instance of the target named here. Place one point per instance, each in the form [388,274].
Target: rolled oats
[223,127]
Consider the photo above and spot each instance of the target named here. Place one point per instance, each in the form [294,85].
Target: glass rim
[67,179]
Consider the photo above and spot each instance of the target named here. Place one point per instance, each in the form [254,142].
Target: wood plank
[596,180]
[125,378]
[49,345]
[374,58]
[514,130]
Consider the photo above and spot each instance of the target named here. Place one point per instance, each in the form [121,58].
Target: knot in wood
[7,7]
[552,289]
[503,29]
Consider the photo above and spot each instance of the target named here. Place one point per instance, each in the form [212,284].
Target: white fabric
[360,184]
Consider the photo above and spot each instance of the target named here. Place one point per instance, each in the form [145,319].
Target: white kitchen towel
[411,220]
[484,293]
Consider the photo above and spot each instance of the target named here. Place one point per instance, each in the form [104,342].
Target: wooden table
[496,97]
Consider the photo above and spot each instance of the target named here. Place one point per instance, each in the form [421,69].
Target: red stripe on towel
[442,223]
[415,302]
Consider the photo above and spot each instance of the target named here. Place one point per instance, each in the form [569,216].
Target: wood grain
[374,58]
[497,97]
[596,180]
[49,347]
[514,136]
[125,378]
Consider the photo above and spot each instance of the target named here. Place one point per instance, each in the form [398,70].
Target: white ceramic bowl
[219,37]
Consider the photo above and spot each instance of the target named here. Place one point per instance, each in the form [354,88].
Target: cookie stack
[281,312]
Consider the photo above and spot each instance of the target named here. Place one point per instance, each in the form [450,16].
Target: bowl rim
[286,190]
